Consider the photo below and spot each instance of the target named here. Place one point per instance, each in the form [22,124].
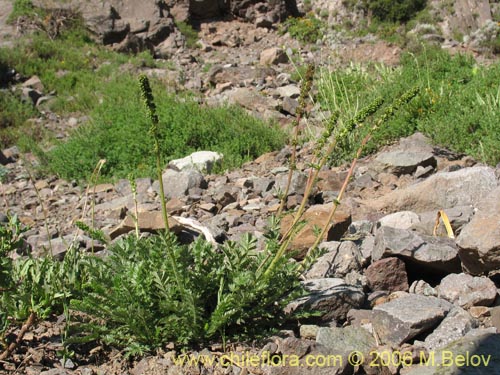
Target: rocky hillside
[393,292]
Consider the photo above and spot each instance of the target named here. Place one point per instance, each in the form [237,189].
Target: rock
[399,320]
[177,184]
[250,99]
[332,297]
[289,105]
[458,217]
[423,288]
[403,161]
[387,274]
[316,215]
[340,259]
[467,186]
[456,324]
[296,357]
[202,161]
[433,253]
[308,331]
[297,185]
[479,240]
[495,317]
[35,83]
[347,339]
[399,220]
[476,354]
[273,56]
[466,290]
[148,222]
[288,91]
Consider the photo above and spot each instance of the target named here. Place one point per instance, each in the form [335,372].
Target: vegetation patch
[458,107]
[308,29]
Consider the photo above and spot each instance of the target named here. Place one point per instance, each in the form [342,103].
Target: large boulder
[479,241]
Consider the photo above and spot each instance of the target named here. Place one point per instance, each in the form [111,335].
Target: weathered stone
[467,186]
[458,217]
[315,216]
[401,319]
[466,290]
[272,56]
[35,83]
[403,161]
[434,253]
[346,339]
[340,259]
[422,287]
[297,185]
[473,354]
[202,161]
[177,184]
[308,331]
[289,105]
[147,222]
[456,324]
[336,363]
[289,91]
[479,241]
[400,220]
[387,274]
[332,297]
[250,99]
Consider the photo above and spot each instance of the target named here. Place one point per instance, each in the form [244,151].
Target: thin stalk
[304,93]
[13,345]
[44,211]
[147,97]
[389,112]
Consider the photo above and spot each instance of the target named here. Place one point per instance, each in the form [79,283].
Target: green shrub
[143,301]
[308,29]
[395,11]
[13,116]
[119,134]
[456,109]
[189,33]
[23,8]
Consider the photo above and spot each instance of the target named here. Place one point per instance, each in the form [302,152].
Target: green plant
[140,306]
[22,8]
[189,33]
[308,29]
[395,11]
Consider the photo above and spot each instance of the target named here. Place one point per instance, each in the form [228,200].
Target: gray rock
[434,253]
[290,91]
[467,186]
[400,220]
[348,339]
[422,287]
[458,217]
[387,274]
[340,259]
[403,161]
[289,105]
[471,355]
[466,290]
[273,56]
[479,241]
[456,324]
[399,320]
[297,186]
[202,161]
[332,297]
[301,352]
[262,184]
[177,184]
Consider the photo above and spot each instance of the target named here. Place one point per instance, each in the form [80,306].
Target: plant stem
[13,345]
